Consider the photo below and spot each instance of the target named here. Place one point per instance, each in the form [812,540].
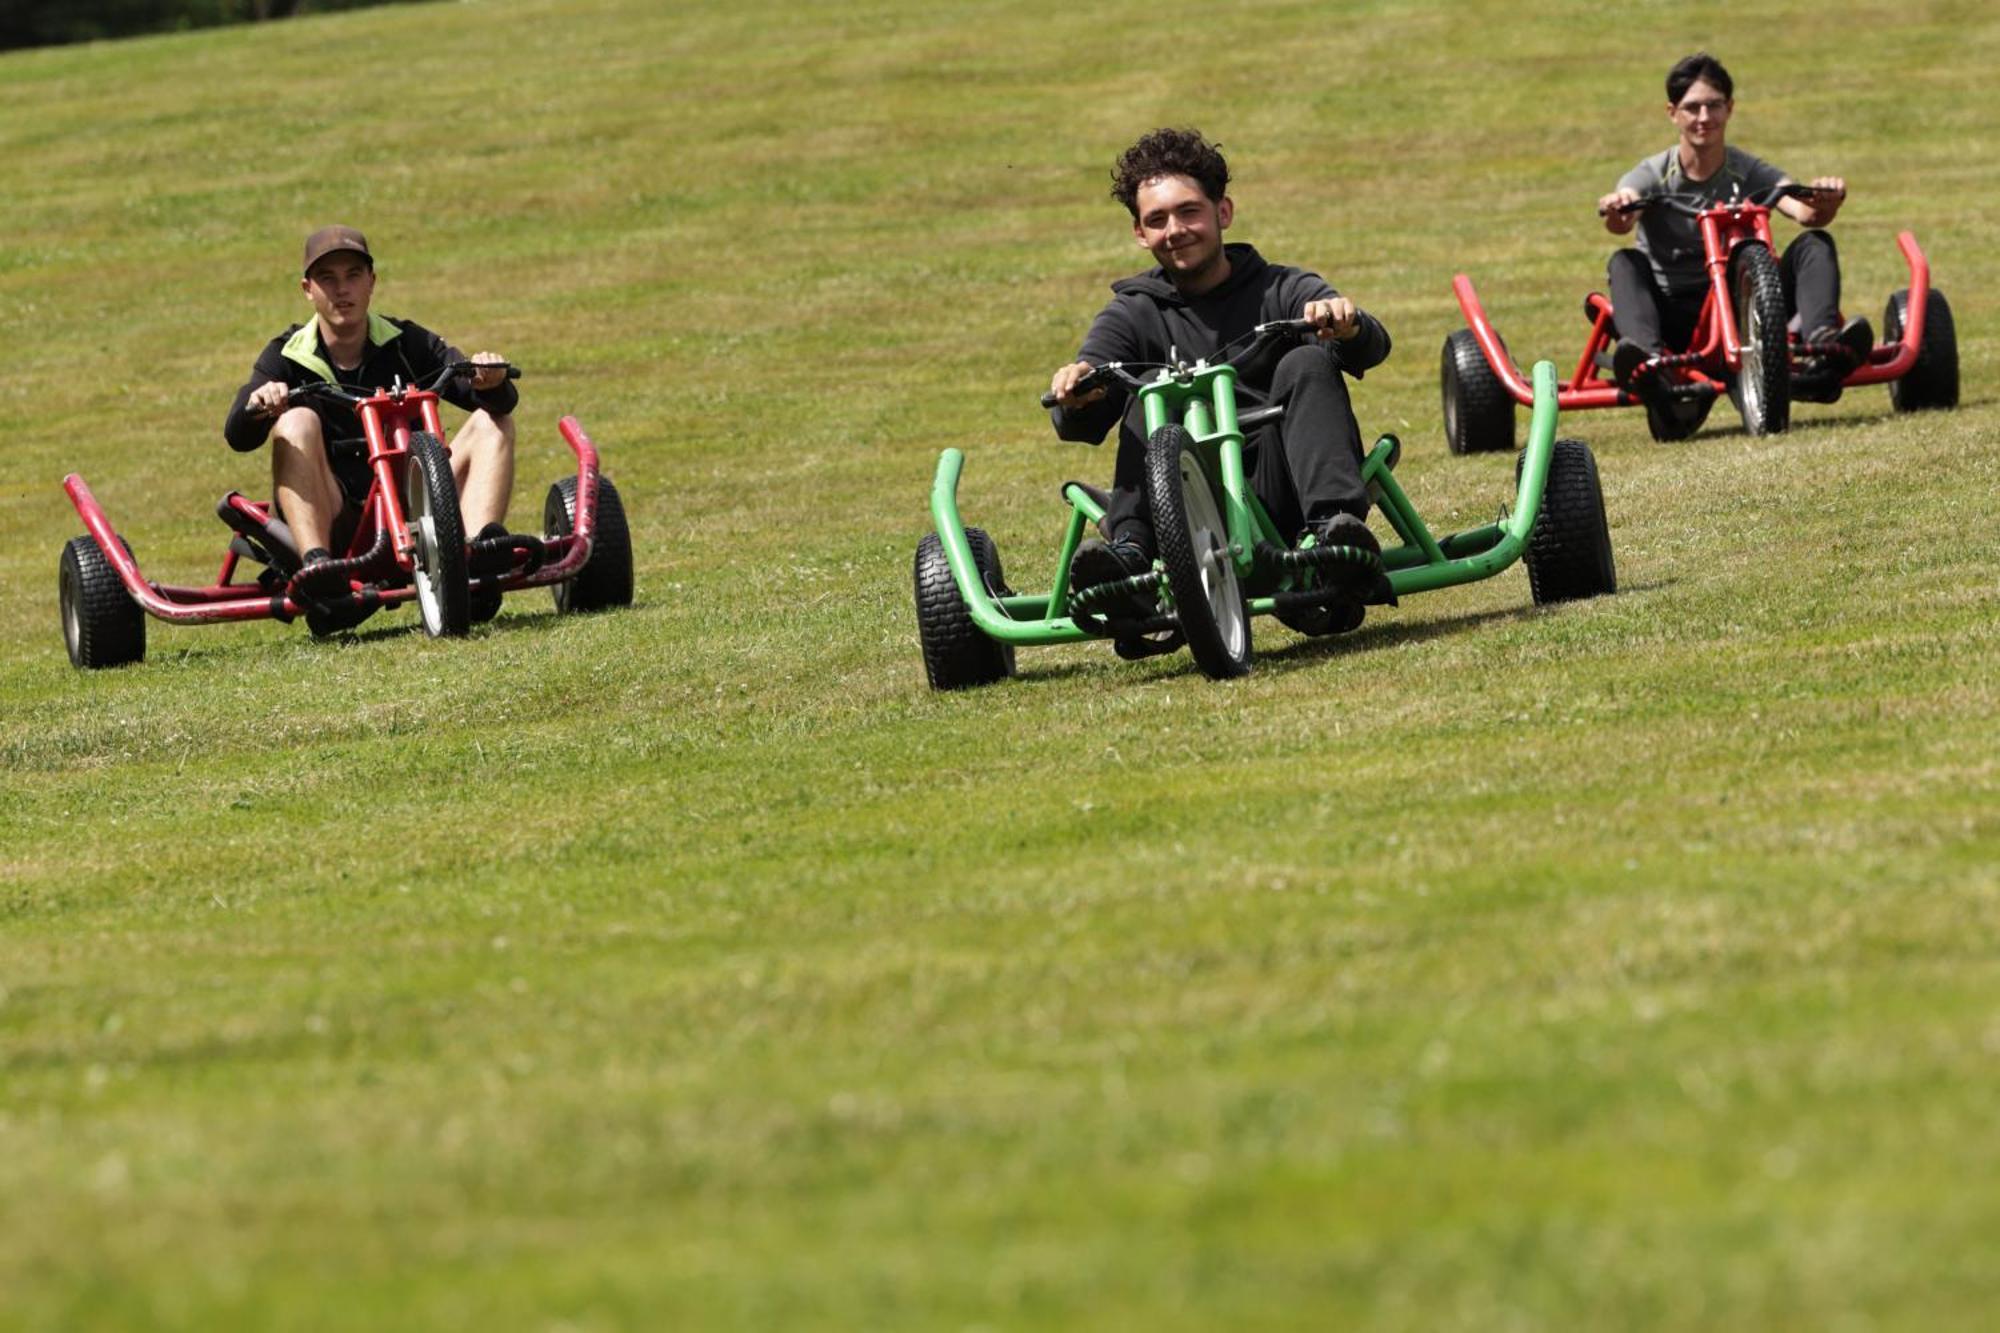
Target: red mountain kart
[1741,344]
[408,544]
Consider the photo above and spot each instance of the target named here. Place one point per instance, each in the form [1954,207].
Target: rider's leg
[308,495]
[1127,520]
[1321,441]
[1635,302]
[482,463]
[1811,273]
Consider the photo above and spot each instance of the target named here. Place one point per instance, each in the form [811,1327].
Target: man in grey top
[1657,289]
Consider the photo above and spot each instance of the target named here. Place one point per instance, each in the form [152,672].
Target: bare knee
[298,430]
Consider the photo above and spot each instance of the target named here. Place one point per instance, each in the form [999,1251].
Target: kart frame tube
[1888,361]
[1423,563]
[227,602]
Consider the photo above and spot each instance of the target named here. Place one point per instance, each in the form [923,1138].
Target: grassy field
[1628,964]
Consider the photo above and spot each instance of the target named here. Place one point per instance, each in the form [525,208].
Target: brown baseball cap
[327,240]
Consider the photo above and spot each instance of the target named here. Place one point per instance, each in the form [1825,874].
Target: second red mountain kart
[409,544]
[1741,347]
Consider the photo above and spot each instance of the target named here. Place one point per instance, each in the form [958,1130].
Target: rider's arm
[430,352]
[1617,223]
[1365,349]
[1648,177]
[1112,337]
[244,428]
[1816,212]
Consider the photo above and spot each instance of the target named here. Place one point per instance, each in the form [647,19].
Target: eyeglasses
[1714,106]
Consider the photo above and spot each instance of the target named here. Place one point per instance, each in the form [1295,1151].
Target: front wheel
[1763,387]
[430,505]
[1478,410]
[1933,380]
[606,578]
[1569,551]
[1194,547]
[102,626]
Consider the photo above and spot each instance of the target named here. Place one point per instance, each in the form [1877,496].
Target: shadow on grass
[1373,637]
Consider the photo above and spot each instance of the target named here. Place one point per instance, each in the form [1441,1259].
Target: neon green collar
[304,347]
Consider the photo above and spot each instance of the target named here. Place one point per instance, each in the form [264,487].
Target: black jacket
[1149,320]
[397,348]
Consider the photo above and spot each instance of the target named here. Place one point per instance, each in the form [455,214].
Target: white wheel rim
[1753,361]
[1213,561]
[423,528]
[72,621]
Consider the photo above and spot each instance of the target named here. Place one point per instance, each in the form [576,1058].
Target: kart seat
[259,535]
[1098,495]
[1590,313]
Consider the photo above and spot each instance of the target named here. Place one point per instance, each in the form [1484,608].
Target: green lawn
[1633,963]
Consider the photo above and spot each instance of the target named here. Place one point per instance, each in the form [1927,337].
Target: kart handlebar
[450,370]
[1252,341]
[1761,199]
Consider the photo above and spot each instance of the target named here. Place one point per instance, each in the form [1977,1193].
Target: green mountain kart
[1221,561]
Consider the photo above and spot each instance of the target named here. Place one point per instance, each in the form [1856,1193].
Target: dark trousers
[1304,468]
[1661,322]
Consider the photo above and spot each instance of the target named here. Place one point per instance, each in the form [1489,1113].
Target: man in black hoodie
[1305,468]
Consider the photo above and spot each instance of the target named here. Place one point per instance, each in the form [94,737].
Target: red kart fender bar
[583,531]
[1896,366]
[1489,342]
[150,598]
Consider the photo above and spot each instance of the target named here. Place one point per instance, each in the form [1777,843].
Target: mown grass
[1623,964]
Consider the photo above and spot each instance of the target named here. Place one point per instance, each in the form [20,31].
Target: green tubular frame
[1205,404]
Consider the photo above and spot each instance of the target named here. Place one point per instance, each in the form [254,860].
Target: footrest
[1085,600]
[1317,557]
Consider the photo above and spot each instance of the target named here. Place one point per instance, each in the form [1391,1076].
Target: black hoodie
[1149,319]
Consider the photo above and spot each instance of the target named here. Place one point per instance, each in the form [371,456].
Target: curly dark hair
[1169,153]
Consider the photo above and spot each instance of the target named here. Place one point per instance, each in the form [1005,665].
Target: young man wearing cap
[1306,468]
[319,465]
[1657,289]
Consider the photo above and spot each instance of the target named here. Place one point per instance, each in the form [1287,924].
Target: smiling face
[1702,115]
[339,286]
[1182,228]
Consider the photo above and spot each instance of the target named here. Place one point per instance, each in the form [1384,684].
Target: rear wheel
[1478,410]
[606,578]
[444,601]
[1194,547]
[102,625]
[1933,380]
[1763,387]
[1569,551]
[957,653]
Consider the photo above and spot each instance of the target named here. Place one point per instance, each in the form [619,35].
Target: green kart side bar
[1423,561]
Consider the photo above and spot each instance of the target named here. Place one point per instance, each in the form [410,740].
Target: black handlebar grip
[1048,400]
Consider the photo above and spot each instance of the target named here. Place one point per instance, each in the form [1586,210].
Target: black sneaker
[1637,375]
[317,579]
[1097,562]
[1345,529]
[1857,339]
[1351,582]
[1626,364]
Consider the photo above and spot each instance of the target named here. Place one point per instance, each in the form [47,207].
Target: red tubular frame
[225,601]
[1587,388]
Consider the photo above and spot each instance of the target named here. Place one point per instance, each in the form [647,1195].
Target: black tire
[1933,380]
[957,653]
[430,505]
[1194,547]
[606,578]
[1478,410]
[1569,552]
[1676,418]
[1762,391]
[102,625]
